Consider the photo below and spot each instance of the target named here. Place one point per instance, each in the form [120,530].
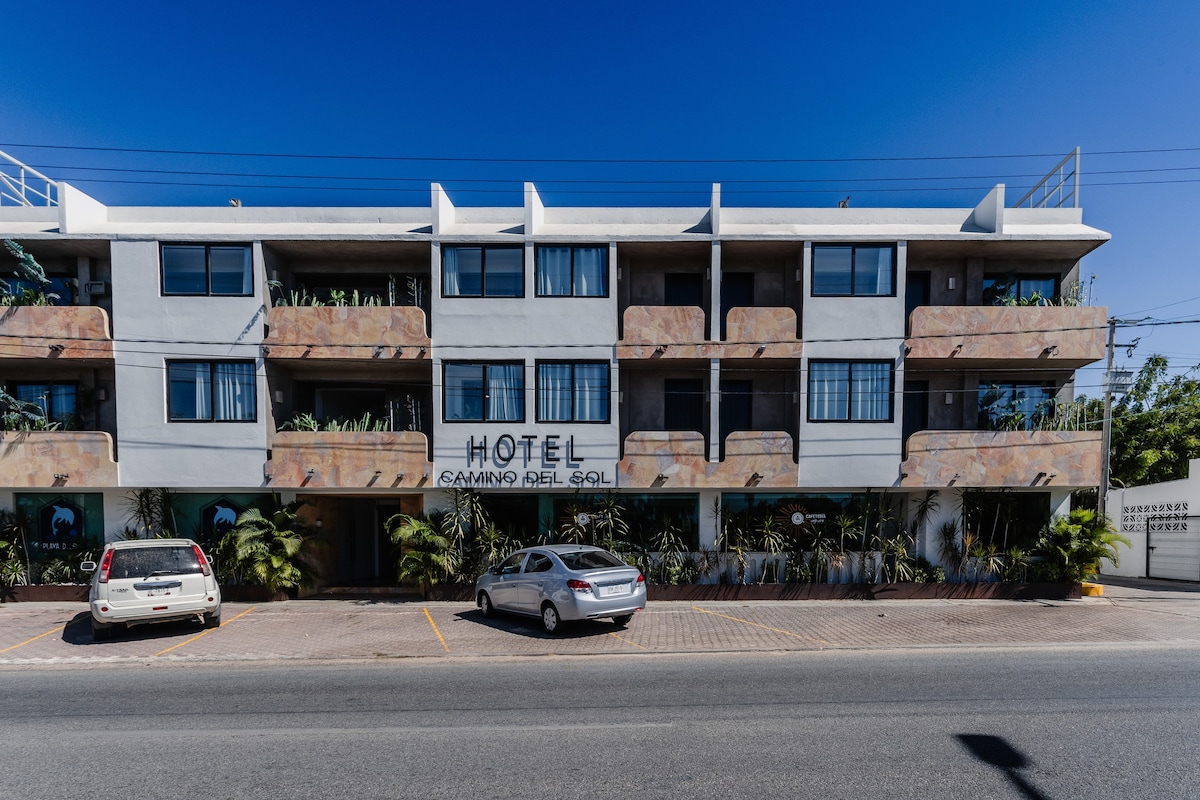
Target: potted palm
[268,550]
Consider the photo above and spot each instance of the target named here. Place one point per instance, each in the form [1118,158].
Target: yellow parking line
[203,633]
[34,639]
[626,641]
[433,625]
[756,625]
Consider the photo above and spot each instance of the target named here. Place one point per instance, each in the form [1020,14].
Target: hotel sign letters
[545,461]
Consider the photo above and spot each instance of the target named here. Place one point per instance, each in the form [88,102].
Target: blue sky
[788,103]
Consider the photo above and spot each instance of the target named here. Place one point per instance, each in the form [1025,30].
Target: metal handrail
[1068,198]
[17,187]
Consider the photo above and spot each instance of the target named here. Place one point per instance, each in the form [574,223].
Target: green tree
[427,555]
[269,550]
[1073,546]
[1155,426]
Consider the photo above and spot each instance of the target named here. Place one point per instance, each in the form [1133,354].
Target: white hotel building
[779,358]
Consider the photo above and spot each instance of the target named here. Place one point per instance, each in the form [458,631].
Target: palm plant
[151,513]
[29,271]
[950,549]
[1074,545]
[269,550]
[427,555]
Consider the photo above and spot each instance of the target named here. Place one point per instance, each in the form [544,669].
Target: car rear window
[590,559]
[142,562]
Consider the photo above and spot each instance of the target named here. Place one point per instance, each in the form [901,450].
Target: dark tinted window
[590,559]
[142,562]
[538,563]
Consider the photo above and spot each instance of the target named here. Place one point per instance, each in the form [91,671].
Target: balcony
[1006,336]
[1012,459]
[348,460]
[66,460]
[62,333]
[678,459]
[760,333]
[346,333]
[663,332]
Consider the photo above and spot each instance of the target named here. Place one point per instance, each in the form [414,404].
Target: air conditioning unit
[96,288]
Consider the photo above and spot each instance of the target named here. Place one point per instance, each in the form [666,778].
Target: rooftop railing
[22,185]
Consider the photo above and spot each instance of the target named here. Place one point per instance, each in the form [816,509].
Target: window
[538,563]
[1015,405]
[484,392]
[57,401]
[572,392]
[216,391]
[854,270]
[850,391]
[572,271]
[224,270]
[1023,290]
[483,272]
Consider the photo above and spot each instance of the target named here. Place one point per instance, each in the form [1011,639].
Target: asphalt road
[1034,722]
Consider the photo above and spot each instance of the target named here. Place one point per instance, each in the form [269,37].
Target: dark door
[916,409]
[916,293]
[683,289]
[736,408]
[683,401]
[737,291]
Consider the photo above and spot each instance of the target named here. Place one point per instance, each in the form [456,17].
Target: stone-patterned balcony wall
[771,329]
[348,460]
[67,333]
[679,457]
[1002,459]
[32,459]
[346,332]
[1066,336]
[678,329]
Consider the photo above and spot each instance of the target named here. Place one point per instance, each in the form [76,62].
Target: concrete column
[714,409]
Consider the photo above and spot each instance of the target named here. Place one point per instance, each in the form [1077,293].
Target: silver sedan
[562,582]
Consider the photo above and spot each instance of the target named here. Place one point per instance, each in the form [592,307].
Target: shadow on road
[996,751]
[79,631]
[532,628]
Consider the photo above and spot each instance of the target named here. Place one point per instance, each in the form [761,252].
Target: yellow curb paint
[626,641]
[205,633]
[34,639]
[756,625]
[433,625]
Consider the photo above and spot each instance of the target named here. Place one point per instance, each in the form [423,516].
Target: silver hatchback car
[563,582]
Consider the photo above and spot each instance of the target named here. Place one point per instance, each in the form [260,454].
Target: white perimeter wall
[1130,509]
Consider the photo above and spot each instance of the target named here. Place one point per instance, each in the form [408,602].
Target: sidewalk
[1130,612]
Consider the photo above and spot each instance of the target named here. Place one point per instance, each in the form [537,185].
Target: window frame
[851,362]
[64,421]
[1017,278]
[537,267]
[483,366]
[483,248]
[854,248]
[171,418]
[1012,385]
[208,248]
[537,380]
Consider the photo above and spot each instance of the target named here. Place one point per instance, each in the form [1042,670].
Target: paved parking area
[323,630]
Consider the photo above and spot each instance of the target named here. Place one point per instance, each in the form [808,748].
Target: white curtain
[450,285]
[591,392]
[590,274]
[506,392]
[870,391]
[233,392]
[554,271]
[554,392]
[828,390]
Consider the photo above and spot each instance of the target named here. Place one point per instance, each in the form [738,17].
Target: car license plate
[157,592]
[618,588]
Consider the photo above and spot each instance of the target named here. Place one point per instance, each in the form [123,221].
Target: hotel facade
[796,360]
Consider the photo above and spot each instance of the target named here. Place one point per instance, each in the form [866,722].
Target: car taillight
[579,586]
[203,561]
[105,565]
[641,578]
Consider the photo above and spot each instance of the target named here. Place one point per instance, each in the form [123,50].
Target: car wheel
[485,605]
[101,631]
[623,620]
[550,619]
[212,620]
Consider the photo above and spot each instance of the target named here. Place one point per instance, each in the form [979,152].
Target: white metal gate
[1173,548]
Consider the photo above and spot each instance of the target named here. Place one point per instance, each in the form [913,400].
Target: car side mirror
[88,566]
[493,570]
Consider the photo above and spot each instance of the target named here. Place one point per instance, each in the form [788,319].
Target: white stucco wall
[1130,509]
[152,451]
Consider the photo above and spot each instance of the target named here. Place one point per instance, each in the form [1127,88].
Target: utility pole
[1106,423]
